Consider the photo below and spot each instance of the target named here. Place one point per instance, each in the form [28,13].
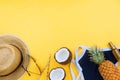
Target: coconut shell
[69,58]
[57,68]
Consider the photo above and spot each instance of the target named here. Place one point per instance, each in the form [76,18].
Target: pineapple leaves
[96,55]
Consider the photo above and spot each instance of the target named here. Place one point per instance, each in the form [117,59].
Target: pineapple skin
[109,71]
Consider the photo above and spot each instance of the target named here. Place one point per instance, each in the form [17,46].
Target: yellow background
[47,25]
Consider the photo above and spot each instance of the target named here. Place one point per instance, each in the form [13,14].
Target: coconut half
[57,74]
[63,56]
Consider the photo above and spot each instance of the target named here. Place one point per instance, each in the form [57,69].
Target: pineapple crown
[96,55]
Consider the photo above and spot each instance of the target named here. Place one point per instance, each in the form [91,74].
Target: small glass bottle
[115,51]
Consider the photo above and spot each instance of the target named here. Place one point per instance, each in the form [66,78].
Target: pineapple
[106,68]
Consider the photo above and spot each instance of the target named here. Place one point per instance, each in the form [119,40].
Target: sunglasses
[40,71]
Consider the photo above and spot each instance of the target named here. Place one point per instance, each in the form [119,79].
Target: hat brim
[13,40]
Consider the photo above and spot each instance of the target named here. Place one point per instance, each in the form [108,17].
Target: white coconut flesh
[62,55]
[57,74]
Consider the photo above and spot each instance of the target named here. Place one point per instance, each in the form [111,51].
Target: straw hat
[13,55]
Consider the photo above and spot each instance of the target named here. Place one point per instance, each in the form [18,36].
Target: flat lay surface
[48,25]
